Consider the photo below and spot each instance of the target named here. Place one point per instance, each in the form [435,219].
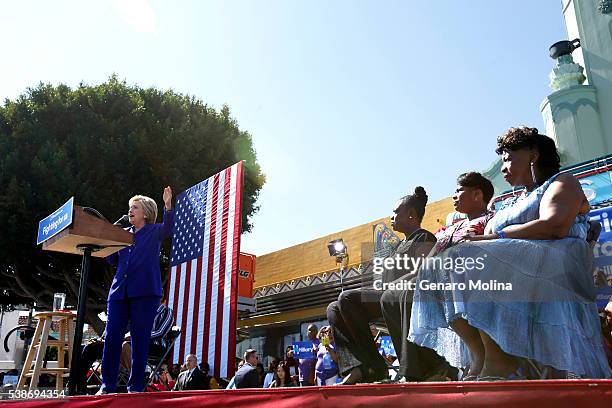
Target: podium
[89,230]
[89,236]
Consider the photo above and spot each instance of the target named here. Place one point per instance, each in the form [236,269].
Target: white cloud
[138,14]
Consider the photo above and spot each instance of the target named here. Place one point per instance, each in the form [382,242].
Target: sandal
[526,370]
[518,375]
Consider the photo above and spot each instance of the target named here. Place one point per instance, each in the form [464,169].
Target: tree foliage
[101,144]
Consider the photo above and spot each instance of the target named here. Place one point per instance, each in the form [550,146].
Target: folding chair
[157,355]
[93,380]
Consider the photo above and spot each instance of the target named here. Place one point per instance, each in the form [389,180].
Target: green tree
[101,144]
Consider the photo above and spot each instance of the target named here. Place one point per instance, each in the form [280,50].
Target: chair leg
[71,328]
[161,360]
[40,354]
[94,374]
[61,349]
[30,356]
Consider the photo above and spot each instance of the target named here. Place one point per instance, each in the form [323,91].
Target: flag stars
[191,216]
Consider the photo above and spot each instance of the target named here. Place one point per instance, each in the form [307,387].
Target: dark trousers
[349,318]
[140,313]
[416,362]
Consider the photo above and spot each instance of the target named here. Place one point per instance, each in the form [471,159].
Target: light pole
[338,249]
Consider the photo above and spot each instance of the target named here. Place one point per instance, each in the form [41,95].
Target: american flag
[203,284]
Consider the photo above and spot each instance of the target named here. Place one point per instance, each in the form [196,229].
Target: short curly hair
[521,137]
[477,180]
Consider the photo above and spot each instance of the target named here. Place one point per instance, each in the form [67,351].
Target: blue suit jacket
[138,272]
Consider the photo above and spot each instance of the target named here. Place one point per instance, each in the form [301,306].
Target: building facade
[577,114]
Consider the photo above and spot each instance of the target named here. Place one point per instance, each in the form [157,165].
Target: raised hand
[168,198]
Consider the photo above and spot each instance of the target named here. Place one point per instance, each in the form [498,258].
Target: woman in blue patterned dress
[530,294]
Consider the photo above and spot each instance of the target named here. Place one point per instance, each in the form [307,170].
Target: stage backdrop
[203,284]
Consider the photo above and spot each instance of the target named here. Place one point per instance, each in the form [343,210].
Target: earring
[533,176]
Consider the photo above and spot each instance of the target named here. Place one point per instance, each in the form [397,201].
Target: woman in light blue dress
[528,292]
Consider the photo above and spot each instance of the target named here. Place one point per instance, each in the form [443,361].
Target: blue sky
[351,104]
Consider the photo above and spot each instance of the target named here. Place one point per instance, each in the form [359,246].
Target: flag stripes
[203,284]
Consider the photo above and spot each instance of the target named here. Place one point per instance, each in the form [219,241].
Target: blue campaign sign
[603,248]
[597,187]
[386,346]
[56,222]
[10,379]
[303,349]
[602,254]
[603,296]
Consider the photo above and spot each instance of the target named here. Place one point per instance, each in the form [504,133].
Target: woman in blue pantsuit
[136,291]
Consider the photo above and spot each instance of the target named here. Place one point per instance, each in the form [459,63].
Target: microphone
[123,222]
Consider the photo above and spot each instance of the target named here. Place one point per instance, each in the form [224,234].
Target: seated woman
[350,316]
[164,382]
[282,377]
[535,259]
[270,374]
[472,194]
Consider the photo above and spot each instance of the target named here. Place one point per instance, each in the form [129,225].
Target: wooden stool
[41,341]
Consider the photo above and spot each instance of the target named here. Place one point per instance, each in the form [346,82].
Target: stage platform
[541,394]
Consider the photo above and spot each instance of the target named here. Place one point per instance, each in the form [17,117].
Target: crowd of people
[319,368]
